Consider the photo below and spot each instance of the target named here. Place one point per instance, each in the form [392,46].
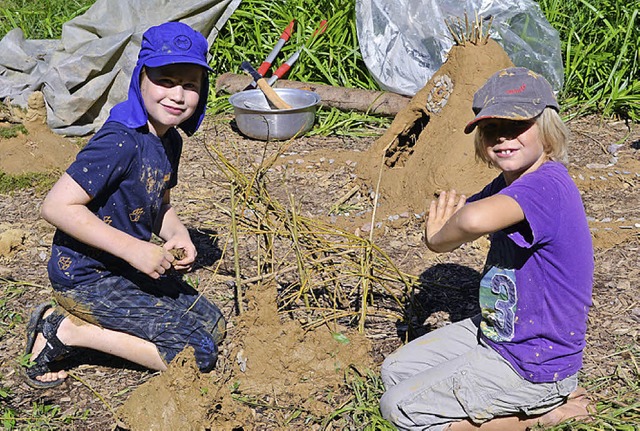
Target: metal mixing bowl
[257,120]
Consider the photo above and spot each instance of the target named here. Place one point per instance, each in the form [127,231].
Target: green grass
[12,131]
[39,417]
[40,19]
[601,51]
[330,58]
[40,181]
[362,411]
[619,409]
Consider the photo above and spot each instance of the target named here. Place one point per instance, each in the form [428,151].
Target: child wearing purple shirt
[515,364]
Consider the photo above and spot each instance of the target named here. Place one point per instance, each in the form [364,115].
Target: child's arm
[451,223]
[65,207]
[175,234]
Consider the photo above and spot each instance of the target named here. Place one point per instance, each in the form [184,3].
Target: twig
[344,198]
[236,255]
[100,397]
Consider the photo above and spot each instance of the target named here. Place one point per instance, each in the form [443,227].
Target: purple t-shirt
[536,287]
[126,172]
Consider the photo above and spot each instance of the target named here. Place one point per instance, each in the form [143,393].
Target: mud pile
[33,148]
[425,149]
[269,361]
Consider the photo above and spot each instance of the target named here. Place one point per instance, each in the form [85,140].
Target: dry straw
[323,274]
[471,32]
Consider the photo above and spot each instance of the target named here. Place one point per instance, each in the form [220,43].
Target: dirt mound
[271,361]
[182,391]
[425,149]
[32,148]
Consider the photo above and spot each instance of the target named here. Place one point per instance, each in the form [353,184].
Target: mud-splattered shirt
[126,172]
[536,287]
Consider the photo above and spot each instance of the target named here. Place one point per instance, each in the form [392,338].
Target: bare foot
[38,345]
[578,406]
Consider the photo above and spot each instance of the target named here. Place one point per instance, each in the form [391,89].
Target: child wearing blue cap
[116,291]
[516,363]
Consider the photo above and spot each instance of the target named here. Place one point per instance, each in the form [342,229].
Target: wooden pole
[346,99]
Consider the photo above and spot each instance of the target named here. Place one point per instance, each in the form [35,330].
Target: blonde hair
[554,135]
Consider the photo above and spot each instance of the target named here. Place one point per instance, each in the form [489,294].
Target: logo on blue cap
[182,42]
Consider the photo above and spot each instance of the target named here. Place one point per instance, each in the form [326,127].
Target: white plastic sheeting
[404,42]
[85,73]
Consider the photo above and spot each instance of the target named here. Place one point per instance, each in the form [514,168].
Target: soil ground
[274,372]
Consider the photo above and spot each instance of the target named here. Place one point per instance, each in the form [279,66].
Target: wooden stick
[346,99]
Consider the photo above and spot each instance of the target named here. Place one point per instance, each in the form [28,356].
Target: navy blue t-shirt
[126,172]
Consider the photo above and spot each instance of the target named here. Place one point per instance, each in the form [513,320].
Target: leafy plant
[601,45]
[41,181]
[362,411]
[9,317]
[41,417]
[12,131]
[41,19]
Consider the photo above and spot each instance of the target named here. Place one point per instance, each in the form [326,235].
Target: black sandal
[53,350]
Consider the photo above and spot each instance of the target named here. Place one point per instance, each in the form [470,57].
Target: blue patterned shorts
[167,312]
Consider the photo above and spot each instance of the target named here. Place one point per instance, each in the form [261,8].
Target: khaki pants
[449,375]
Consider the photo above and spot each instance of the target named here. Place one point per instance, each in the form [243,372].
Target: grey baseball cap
[516,93]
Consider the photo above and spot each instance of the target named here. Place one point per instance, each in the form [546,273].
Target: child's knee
[388,371]
[205,349]
[389,403]
[206,352]
[219,330]
[207,363]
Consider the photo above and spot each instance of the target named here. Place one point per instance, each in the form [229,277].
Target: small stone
[178,253]
[596,166]
[613,148]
